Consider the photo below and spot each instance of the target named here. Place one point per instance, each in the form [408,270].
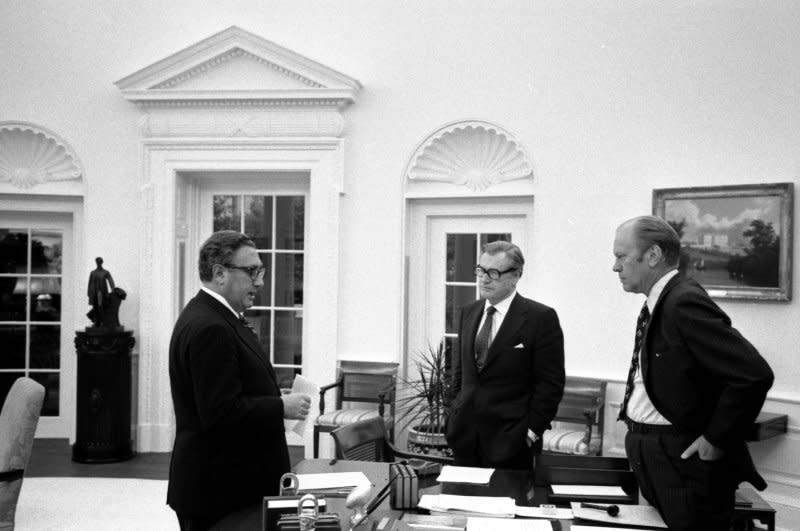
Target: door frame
[65,210]
[421,214]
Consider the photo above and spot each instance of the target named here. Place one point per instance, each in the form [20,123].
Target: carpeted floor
[88,504]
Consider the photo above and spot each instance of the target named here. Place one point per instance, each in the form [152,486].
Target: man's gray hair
[219,248]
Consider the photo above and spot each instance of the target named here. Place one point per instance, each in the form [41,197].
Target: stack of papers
[629,515]
[493,524]
[499,507]
[465,474]
[332,482]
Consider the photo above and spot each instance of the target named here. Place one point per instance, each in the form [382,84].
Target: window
[30,310]
[276,223]
[461,286]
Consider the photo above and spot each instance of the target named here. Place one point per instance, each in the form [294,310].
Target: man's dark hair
[219,249]
[652,230]
[512,251]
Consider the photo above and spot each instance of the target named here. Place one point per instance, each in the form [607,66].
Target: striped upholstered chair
[363,390]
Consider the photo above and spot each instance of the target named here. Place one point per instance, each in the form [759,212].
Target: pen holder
[289,484]
[404,485]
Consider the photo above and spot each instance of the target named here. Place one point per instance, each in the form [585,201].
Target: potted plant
[423,402]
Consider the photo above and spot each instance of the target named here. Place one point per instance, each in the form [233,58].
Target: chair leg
[316,442]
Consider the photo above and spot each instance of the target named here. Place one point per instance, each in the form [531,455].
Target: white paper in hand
[305,386]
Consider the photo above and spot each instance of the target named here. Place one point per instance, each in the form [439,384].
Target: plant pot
[423,441]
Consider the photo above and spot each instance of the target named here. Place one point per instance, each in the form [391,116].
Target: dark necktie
[641,324]
[483,339]
[248,324]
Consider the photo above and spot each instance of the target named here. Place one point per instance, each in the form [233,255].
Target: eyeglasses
[255,272]
[494,274]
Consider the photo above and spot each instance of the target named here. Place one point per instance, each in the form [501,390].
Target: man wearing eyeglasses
[508,369]
[230,445]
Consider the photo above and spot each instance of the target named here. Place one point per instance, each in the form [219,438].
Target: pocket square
[520,346]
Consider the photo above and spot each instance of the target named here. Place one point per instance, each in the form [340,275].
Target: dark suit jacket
[520,386]
[230,445]
[702,374]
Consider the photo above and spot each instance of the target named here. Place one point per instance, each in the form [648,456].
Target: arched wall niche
[35,160]
[469,157]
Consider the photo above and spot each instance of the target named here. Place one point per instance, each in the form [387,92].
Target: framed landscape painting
[736,241]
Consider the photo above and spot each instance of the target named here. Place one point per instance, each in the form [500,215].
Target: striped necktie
[641,324]
[483,339]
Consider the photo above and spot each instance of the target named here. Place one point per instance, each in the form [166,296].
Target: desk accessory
[612,510]
[404,485]
[308,517]
[274,507]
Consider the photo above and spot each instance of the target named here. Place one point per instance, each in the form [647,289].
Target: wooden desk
[516,484]
[759,510]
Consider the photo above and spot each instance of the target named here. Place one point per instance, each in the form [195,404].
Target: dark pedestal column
[104,396]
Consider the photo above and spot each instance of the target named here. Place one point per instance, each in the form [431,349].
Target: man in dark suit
[230,445]
[508,369]
[694,388]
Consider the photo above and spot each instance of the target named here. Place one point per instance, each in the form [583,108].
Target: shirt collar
[221,299]
[658,287]
[502,306]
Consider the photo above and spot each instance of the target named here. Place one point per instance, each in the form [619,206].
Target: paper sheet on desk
[641,515]
[306,386]
[588,490]
[472,505]
[479,523]
[465,474]
[538,512]
[332,481]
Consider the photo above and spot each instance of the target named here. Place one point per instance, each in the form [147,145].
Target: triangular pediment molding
[238,67]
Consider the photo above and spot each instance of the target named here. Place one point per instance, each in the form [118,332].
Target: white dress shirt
[221,299]
[640,408]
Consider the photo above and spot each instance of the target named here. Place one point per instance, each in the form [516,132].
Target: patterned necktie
[483,339]
[641,324]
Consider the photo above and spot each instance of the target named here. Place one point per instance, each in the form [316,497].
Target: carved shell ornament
[30,155]
[472,154]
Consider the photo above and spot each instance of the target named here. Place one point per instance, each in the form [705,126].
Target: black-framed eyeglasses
[255,272]
[494,274]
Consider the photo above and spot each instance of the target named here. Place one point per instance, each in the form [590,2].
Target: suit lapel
[644,354]
[245,335]
[472,321]
[512,322]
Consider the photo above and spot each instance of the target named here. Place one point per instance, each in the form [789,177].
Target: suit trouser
[690,494]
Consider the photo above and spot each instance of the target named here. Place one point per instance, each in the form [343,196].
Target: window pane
[45,252]
[258,220]
[45,347]
[489,238]
[457,297]
[7,379]
[50,381]
[13,296]
[12,355]
[449,345]
[13,251]
[289,222]
[260,321]
[227,213]
[288,279]
[286,376]
[461,257]
[46,294]
[288,338]
[264,295]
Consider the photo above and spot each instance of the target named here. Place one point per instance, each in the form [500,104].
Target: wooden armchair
[578,424]
[367,440]
[364,390]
